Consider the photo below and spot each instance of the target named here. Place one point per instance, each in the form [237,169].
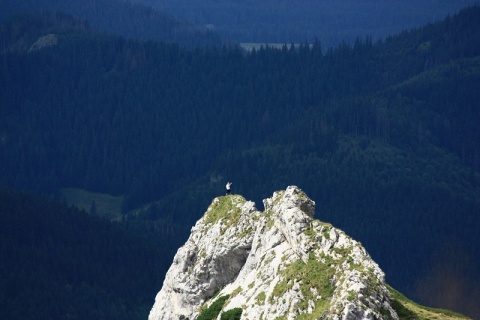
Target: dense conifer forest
[384,136]
[60,263]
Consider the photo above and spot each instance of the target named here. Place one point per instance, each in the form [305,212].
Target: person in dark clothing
[228,187]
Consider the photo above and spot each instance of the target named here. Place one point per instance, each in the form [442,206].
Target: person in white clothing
[228,186]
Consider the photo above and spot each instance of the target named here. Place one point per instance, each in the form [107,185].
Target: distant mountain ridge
[122,18]
[286,21]
[21,32]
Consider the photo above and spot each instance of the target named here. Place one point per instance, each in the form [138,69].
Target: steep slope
[276,264]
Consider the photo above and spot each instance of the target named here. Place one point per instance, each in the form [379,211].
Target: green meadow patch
[101,204]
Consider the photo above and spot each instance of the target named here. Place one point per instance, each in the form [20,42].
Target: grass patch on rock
[213,310]
[227,208]
[407,309]
[314,277]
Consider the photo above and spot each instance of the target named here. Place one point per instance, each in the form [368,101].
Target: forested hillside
[383,136]
[60,263]
[122,18]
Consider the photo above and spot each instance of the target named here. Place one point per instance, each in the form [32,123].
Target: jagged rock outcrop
[44,42]
[277,264]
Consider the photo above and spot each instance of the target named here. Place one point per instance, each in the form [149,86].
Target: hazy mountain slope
[122,18]
[300,21]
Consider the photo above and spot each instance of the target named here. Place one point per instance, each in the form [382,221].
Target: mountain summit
[281,263]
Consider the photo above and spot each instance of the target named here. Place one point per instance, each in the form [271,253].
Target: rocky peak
[277,264]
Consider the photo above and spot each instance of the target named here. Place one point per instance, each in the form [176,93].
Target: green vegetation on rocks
[315,278]
[227,208]
[232,314]
[407,309]
[214,309]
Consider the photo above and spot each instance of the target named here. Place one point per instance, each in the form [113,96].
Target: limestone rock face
[280,263]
